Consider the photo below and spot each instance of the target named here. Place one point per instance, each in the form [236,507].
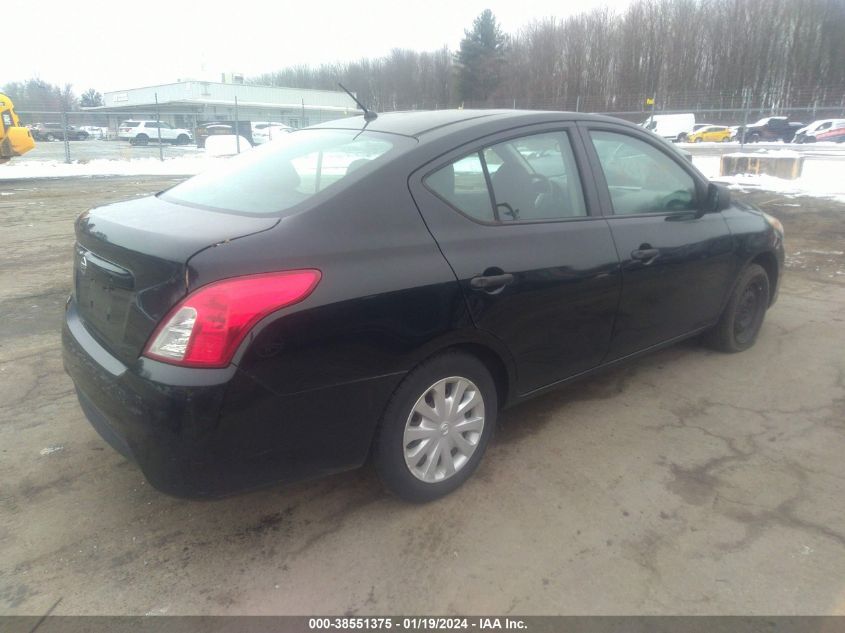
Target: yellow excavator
[14,139]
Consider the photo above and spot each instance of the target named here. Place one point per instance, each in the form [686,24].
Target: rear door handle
[491,282]
[645,253]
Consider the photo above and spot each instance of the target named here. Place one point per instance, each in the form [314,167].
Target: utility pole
[158,127]
[64,134]
[237,127]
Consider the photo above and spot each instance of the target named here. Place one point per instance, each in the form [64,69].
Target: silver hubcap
[443,429]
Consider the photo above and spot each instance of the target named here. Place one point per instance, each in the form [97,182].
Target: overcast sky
[111,45]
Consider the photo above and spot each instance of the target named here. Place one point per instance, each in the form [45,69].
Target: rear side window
[531,178]
[130,124]
[641,178]
[464,185]
[276,176]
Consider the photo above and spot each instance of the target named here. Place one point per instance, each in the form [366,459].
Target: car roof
[419,123]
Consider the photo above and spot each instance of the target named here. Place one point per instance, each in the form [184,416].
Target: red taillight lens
[206,327]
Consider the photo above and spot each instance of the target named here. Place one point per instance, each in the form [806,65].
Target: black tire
[82,136]
[727,139]
[142,139]
[182,139]
[50,137]
[389,446]
[753,138]
[743,316]
[698,139]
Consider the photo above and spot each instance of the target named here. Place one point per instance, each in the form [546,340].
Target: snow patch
[819,178]
[225,145]
[177,166]
[51,449]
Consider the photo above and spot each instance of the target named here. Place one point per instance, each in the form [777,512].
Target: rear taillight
[206,327]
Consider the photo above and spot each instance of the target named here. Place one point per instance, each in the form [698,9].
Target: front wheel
[182,139]
[740,323]
[436,427]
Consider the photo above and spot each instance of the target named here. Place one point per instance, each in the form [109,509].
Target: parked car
[263,131]
[382,288]
[670,126]
[711,134]
[808,133]
[835,134]
[95,131]
[210,128]
[142,132]
[772,128]
[683,137]
[54,132]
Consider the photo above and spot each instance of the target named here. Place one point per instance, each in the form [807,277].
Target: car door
[677,261]
[534,257]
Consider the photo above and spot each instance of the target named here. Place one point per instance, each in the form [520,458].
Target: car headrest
[356,164]
[443,180]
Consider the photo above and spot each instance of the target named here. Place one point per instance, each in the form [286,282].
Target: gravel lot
[687,482]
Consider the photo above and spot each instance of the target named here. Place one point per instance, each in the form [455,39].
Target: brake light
[206,327]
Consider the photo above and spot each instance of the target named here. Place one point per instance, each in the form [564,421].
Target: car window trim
[490,191]
[606,206]
[592,201]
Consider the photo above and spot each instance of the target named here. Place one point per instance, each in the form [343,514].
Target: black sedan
[56,132]
[381,289]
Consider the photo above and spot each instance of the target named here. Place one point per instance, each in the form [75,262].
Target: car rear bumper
[207,433]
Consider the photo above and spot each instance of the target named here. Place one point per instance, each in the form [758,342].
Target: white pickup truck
[142,132]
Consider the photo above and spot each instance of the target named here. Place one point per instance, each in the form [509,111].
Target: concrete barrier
[786,165]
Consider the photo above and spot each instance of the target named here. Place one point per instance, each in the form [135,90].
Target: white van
[670,126]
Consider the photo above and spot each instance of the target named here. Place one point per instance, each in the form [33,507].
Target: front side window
[532,177]
[276,176]
[640,177]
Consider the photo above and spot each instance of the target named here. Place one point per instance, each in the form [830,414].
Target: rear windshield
[130,124]
[276,176]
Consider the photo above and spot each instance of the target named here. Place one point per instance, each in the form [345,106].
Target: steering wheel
[541,185]
[673,202]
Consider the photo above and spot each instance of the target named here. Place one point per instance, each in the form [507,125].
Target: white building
[186,103]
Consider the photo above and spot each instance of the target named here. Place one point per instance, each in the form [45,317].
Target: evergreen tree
[480,58]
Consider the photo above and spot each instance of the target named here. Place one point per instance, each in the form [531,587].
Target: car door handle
[490,282]
[645,253]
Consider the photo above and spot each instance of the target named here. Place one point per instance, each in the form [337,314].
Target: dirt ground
[686,482]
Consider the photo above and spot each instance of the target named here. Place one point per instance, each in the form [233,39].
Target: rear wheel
[50,137]
[182,139]
[727,139]
[698,140]
[740,323]
[436,427]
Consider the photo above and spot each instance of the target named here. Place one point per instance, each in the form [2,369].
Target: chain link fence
[147,133]
[88,135]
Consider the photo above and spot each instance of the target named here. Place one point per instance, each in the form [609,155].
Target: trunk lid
[130,264]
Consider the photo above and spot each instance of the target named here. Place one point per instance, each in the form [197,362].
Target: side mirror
[718,198]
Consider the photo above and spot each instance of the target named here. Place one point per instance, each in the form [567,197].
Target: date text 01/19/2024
[415,623]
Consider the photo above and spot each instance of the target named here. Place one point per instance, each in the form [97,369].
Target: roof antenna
[369,115]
